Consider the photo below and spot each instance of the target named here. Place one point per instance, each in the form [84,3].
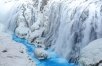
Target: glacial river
[54,59]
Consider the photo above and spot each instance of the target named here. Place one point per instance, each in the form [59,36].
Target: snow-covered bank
[91,55]
[13,53]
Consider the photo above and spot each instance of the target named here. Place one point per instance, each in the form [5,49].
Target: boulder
[22,31]
[40,53]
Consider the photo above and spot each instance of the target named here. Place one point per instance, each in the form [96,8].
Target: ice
[65,26]
[91,54]
[13,53]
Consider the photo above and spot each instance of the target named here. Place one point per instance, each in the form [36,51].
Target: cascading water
[66,26]
[72,25]
[22,15]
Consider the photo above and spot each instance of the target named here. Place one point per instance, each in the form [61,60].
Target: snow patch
[13,53]
[92,54]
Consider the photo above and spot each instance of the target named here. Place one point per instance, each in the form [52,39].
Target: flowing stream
[54,59]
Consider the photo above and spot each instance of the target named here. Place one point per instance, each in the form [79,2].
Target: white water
[69,24]
[72,25]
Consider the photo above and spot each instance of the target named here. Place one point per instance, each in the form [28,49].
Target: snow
[29,26]
[13,53]
[34,35]
[91,54]
[22,31]
[40,53]
[62,25]
[1,27]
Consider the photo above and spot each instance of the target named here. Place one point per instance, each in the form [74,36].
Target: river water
[54,59]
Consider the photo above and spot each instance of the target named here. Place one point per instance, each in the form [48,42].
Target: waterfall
[72,25]
[66,26]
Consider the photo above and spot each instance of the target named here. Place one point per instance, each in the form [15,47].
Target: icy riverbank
[13,53]
[54,59]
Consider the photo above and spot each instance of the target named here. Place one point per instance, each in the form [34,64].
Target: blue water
[54,59]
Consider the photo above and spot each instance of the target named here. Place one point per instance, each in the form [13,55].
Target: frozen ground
[13,53]
[91,55]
